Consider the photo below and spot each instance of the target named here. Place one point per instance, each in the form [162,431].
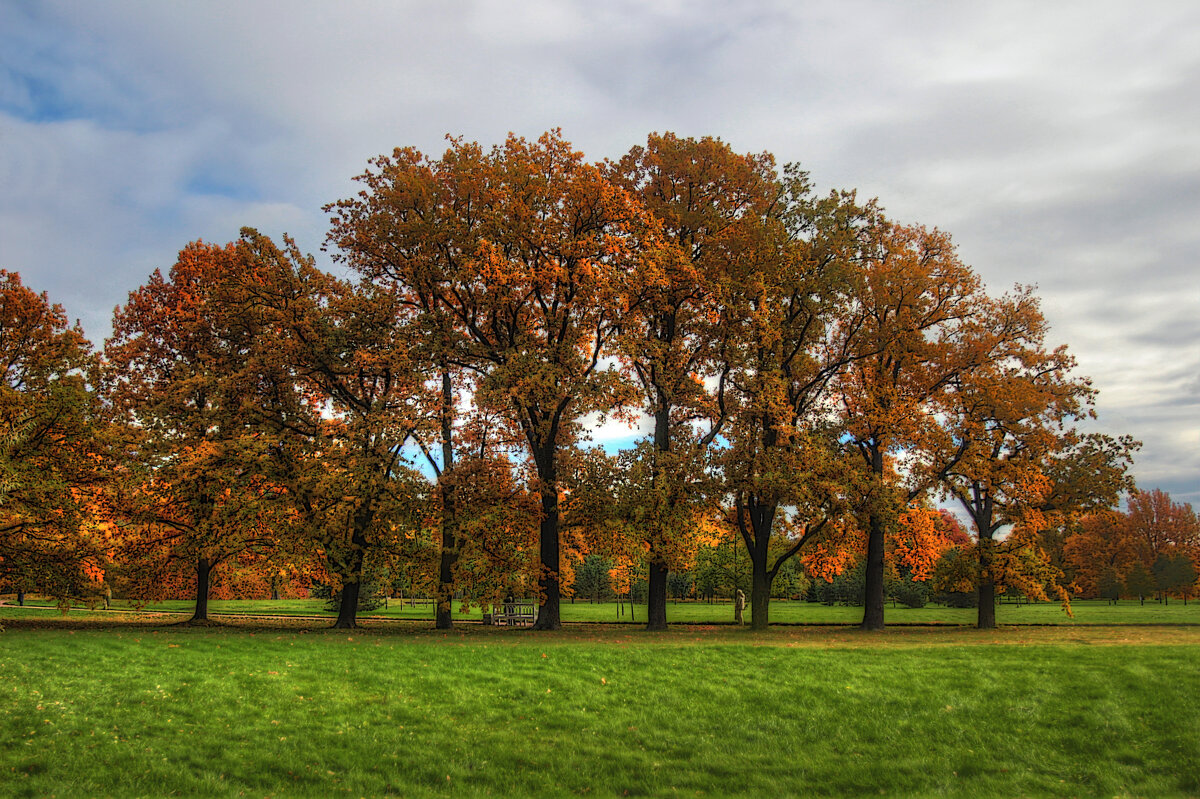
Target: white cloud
[1056,142]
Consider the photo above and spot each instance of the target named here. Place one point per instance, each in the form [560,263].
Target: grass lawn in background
[782,612]
[599,710]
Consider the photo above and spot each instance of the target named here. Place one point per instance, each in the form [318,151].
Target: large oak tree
[178,374]
[914,299]
[343,424]
[706,199]
[787,305]
[1008,451]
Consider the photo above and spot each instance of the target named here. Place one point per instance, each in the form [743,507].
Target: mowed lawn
[598,711]
[782,612]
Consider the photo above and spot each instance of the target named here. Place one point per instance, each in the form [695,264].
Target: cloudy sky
[1058,142]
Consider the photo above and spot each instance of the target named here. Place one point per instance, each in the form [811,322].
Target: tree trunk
[444,619]
[760,595]
[873,593]
[548,546]
[445,590]
[987,587]
[203,573]
[756,523]
[656,597]
[347,618]
[656,585]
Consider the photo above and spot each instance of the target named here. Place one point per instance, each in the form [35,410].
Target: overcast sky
[1059,143]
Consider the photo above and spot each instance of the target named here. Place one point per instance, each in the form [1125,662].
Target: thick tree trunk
[347,618]
[760,595]
[203,574]
[873,593]
[548,548]
[987,587]
[756,523]
[656,586]
[656,597]
[987,604]
[352,586]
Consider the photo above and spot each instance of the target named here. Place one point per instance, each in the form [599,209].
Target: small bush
[958,599]
[911,593]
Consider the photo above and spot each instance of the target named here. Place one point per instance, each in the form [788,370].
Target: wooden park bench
[518,613]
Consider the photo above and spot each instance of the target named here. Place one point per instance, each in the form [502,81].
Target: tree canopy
[806,378]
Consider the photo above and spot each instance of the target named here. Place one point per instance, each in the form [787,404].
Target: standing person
[739,604]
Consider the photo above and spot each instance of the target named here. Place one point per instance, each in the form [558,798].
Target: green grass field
[782,612]
[597,711]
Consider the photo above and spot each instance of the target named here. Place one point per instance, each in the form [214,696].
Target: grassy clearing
[785,612]
[599,711]
[782,612]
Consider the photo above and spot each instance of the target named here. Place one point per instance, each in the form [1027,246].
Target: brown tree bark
[873,594]
[347,618]
[203,574]
[987,587]
[548,543]
[656,596]
[444,619]
[760,595]
[656,586]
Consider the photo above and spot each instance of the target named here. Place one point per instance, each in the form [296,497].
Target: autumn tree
[1007,450]
[786,303]
[415,232]
[177,374]
[1098,542]
[342,435]
[704,197]
[51,447]
[1152,528]
[521,264]
[1156,525]
[914,301]
[496,526]
[410,231]
[919,539]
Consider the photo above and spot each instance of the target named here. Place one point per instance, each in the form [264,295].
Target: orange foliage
[919,541]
